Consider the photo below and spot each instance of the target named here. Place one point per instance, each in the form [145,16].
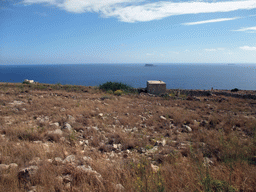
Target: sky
[127,31]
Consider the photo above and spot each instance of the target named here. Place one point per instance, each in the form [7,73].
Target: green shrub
[25,82]
[234,90]
[114,86]
[118,92]
[110,92]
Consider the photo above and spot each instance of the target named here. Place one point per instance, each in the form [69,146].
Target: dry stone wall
[201,93]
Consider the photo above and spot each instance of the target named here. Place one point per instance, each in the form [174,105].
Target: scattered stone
[117,146]
[162,117]
[154,168]
[17,103]
[186,128]
[90,171]
[81,143]
[71,118]
[100,114]
[62,109]
[142,150]
[35,161]
[13,166]
[67,126]
[119,187]
[62,139]
[95,128]
[58,160]
[86,142]
[59,179]
[163,142]
[160,143]
[15,109]
[4,167]
[68,186]
[43,119]
[55,124]
[46,147]
[112,154]
[207,162]
[135,129]
[204,123]
[85,158]
[153,150]
[70,159]
[32,189]
[49,160]
[67,179]
[56,132]
[37,142]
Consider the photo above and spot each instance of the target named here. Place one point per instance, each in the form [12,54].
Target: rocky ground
[75,138]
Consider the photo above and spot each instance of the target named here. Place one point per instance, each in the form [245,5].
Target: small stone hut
[156,87]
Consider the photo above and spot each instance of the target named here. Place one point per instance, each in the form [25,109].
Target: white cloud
[247,48]
[250,29]
[215,49]
[143,10]
[211,50]
[210,21]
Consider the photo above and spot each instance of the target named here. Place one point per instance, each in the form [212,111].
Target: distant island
[149,65]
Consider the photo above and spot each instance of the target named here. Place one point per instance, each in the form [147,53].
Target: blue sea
[176,76]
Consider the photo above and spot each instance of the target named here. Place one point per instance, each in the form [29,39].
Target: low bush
[25,82]
[235,90]
[114,86]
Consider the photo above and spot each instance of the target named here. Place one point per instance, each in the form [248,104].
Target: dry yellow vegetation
[76,138]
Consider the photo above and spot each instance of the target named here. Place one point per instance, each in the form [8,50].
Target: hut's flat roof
[155,82]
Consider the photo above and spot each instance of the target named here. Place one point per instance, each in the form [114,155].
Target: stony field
[72,138]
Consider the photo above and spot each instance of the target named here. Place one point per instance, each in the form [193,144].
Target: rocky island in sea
[149,65]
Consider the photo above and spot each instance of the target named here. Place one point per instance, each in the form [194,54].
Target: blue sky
[127,31]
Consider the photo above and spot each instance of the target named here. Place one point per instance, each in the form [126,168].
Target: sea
[176,76]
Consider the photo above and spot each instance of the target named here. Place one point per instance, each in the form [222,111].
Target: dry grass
[134,141]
